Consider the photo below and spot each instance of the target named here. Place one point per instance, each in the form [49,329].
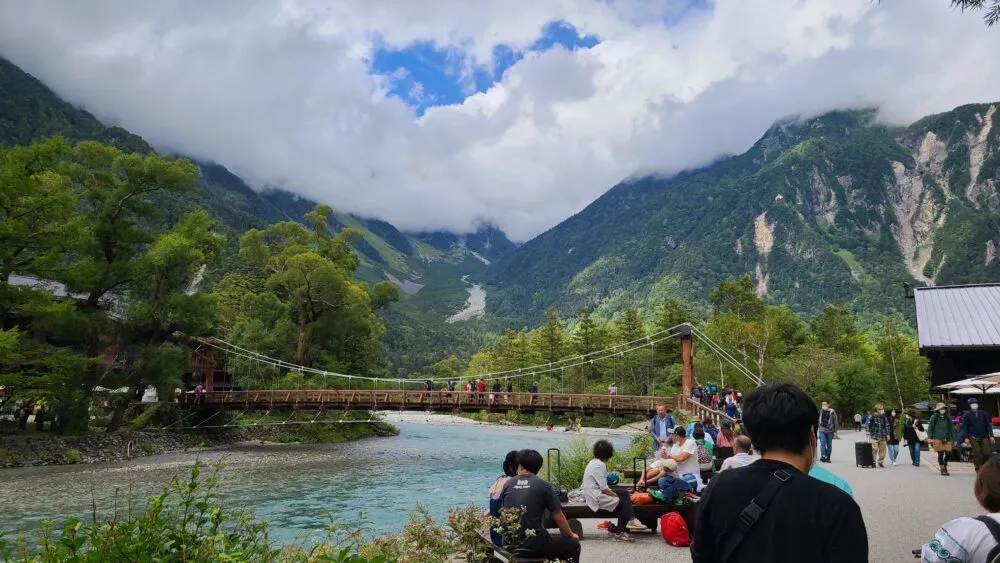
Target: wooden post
[687,359]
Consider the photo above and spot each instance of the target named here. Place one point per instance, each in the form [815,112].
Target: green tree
[311,273]
[903,369]
[450,368]
[549,340]
[36,207]
[737,298]
[628,329]
[836,328]
[670,315]
[857,386]
[587,338]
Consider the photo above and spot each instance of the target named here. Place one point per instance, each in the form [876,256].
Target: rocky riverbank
[42,448]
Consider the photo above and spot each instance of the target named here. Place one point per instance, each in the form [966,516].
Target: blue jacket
[975,424]
[654,427]
[673,487]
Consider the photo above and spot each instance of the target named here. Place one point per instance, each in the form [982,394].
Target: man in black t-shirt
[534,496]
[771,510]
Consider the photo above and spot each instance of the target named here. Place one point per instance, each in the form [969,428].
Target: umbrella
[995,390]
[979,382]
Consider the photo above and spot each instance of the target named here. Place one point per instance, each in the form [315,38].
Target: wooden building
[958,330]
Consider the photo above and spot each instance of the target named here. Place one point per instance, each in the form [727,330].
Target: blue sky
[435,76]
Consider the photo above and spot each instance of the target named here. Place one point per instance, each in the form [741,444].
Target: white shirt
[739,460]
[963,540]
[689,465]
[595,480]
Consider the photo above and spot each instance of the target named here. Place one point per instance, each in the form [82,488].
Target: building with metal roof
[958,330]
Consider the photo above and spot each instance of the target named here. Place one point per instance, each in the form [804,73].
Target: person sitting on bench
[534,496]
[655,470]
[600,496]
[496,492]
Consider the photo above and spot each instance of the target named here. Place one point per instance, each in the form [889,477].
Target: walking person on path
[879,428]
[827,427]
[941,432]
[892,442]
[912,430]
[977,431]
[771,510]
[857,421]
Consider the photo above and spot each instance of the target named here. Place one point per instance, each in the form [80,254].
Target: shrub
[73,456]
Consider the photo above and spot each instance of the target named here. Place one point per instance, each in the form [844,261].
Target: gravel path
[903,506]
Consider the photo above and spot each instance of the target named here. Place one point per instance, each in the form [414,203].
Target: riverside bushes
[186,522]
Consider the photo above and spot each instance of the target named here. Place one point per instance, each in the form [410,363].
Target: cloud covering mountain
[443,114]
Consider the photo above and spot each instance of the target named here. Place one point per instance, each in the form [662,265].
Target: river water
[294,487]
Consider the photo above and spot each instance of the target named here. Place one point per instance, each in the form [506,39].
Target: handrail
[371,399]
[716,415]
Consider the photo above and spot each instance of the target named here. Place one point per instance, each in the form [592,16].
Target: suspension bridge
[255,389]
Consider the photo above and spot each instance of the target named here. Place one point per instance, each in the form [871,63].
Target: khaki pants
[878,451]
[980,451]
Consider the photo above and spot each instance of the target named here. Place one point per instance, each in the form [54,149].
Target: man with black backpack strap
[972,540]
[744,510]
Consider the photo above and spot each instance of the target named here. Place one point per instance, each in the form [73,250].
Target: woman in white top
[971,540]
[599,496]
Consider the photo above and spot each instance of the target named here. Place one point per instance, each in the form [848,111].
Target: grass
[856,268]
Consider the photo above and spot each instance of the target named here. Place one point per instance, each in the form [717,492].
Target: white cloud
[282,93]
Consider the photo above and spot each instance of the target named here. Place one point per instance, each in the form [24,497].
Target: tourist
[742,454]
[660,427]
[656,470]
[857,421]
[892,442]
[795,518]
[510,386]
[977,432]
[941,432]
[912,430]
[828,421]
[496,491]
[709,425]
[706,450]
[685,452]
[696,394]
[612,389]
[971,540]
[878,431]
[724,441]
[670,484]
[599,496]
[731,411]
[534,496]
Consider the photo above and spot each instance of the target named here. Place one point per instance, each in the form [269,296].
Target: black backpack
[994,527]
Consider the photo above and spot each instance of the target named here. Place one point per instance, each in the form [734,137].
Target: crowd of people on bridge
[759,478]
[725,400]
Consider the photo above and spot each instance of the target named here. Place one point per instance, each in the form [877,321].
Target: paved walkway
[902,506]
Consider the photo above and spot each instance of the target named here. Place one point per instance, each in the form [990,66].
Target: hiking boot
[944,471]
[881,465]
[623,537]
[636,526]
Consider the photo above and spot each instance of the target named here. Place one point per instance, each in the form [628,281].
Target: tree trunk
[300,346]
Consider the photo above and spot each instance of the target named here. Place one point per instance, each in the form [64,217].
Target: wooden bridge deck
[371,400]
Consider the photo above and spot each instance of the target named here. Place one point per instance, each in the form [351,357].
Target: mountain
[837,207]
[428,268]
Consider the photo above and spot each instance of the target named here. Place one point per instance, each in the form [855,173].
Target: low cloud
[283,92]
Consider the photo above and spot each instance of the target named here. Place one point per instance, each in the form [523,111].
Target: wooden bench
[647,514]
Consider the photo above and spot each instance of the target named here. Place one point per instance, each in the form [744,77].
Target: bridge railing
[429,400]
[701,412]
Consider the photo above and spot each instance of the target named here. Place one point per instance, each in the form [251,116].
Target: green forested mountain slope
[839,207]
[430,275]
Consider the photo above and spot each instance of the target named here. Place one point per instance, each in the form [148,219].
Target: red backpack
[674,530]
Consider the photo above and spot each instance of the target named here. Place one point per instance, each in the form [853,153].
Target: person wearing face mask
[879,428]
[743,511]
[913,430]
[941,432]
[892,442]
[977,431]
